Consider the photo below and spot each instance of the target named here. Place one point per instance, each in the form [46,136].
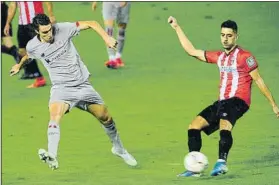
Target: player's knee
[109,23]
[105,119]
[225,125]
[57,110]
[8,42]
[198,123]
[22,52]
[55,117]
[103,115]
[122,25]
[194,126]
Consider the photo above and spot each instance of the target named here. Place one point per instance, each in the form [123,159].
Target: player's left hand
[15,69]
[111,42]
[276,110]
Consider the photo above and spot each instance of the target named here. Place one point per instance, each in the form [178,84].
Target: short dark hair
[40,19]
[230,24]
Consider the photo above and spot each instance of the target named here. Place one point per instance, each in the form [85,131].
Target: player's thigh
[109,12]
[230,111]
[100,111]
[123,15]
[209,114]
[22,51]
[92,102]
[198,123]
[57,110]
[65,95]
[24,34]
[7,41]
[225,125]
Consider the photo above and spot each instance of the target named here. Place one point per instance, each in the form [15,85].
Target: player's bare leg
[102,114]
[195,140]
[120,45]
[57,110]
[9,48]
[109,24]
[225,145]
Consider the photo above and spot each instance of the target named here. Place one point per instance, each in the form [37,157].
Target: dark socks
[225,144]
[194,140]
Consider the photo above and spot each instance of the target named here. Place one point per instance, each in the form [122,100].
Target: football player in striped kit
[27,11]
[238,69]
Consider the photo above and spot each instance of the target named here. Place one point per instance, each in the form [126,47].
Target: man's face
[228,38]
[45,32]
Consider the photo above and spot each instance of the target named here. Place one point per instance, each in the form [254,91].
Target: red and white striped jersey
[235,80]
[28,10]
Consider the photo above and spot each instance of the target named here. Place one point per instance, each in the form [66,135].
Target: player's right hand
[7,29]
[15,69]
[94,6]
[111,42]
[172,21]
[276,110]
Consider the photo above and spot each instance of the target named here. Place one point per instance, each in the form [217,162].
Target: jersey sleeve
[212,56]
[70,28]
[30,51]
[249,62]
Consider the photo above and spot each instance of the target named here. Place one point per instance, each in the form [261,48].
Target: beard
[228,47]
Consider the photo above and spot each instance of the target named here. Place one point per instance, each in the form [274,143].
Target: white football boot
[48,158]
[128,158]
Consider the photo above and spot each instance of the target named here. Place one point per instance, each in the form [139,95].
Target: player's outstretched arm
[110,41]
[185,42]
[264,89]
[51,16]
[11,14]
[16,68]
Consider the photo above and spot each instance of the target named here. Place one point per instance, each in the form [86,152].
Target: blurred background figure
[115,12]
[27,11]
[7,45]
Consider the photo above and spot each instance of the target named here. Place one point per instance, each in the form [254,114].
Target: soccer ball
[195,162]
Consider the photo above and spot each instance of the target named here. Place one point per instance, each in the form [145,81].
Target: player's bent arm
[188,46]
[23,61]
[83,25]
[11,12]
[264,89]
